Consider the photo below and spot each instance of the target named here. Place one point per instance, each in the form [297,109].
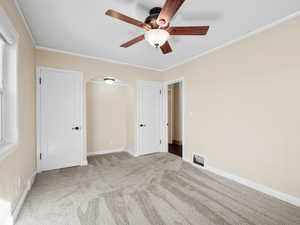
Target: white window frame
[9,120]
[2,91]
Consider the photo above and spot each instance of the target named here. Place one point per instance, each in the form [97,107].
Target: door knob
[142,125]
[75,128]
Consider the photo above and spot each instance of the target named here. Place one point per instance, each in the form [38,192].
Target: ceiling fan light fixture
[109,80]
[157,37]
[157,26]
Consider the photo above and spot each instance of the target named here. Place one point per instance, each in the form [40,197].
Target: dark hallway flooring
[175,149]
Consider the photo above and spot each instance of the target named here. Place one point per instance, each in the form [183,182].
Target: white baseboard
[23,197]
[259,187]
[132,154]
[112,151]
[103,152]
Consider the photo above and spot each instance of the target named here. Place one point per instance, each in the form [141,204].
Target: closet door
[61,119]
[149,117]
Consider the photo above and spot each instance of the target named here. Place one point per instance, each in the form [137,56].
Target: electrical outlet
[198,159]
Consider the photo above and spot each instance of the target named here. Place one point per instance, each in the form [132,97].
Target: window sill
[6,149]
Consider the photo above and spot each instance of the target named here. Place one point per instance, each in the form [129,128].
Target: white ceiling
[81,26]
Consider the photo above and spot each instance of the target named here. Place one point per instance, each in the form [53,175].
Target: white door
[149,117]
[61,119]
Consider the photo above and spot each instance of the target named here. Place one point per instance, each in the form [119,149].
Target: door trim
[165,114]
[38,115]
[138,82]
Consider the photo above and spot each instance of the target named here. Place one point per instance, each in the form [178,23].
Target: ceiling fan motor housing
[155,10]
[153,15]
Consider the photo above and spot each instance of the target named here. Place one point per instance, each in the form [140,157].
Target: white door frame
[38,115]
[165,110]
[138,152]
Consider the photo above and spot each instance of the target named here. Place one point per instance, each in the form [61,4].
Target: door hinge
[160,92]
[40,156]
[160,141]
[40,80]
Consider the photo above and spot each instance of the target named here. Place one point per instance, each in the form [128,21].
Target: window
[2,89]
[8,83]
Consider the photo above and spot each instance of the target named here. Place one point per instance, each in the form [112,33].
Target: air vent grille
[198,159]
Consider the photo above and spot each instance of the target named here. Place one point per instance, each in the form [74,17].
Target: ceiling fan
[157,26]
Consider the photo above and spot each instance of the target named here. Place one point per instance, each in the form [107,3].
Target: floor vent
[199,160]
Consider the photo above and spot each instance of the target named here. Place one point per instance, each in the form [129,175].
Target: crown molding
[252,33]
[95,58]
[25,21]
[249,34]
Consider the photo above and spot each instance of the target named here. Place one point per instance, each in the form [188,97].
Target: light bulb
[157,37]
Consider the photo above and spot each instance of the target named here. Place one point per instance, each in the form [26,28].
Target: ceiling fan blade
[166,48]
[133,41]
[200,30]
[168,11]
[126,19]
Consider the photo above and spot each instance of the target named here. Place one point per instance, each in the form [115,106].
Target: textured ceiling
[81,26]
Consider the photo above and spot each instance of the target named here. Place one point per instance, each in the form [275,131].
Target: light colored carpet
[157,189]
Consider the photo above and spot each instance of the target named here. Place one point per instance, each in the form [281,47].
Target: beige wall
[94,68]
[242,107]
[177,108]
[106,117]
[20,162]
[175,113]
[170,114]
